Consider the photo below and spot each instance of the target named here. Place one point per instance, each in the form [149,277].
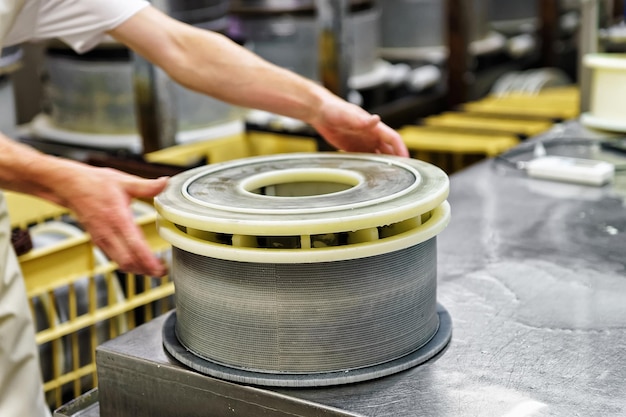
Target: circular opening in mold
[301,183]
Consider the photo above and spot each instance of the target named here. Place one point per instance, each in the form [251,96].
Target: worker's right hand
[350,128]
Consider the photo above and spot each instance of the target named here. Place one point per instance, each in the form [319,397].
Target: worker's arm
[99,197]
[210,63]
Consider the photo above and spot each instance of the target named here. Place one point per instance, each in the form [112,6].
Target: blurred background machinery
[461,80]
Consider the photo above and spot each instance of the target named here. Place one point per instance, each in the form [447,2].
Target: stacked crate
[78,297]
[485,128]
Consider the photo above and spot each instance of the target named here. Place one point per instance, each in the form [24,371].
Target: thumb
[374,119]
[146,188]
[369,121]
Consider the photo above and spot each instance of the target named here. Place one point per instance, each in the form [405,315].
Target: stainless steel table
[533,273]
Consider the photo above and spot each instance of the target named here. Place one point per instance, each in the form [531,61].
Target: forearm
[228,72]
[98,197]
[26,170]
[211,63]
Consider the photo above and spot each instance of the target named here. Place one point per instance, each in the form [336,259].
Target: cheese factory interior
[484,275]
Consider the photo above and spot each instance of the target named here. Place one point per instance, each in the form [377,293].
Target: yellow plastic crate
[78,297]
[523,127]
[558,103]
[487,127]
[26,210]
[232,147]
[454,149]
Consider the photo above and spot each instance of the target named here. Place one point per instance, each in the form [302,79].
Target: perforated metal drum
[286,33]
[305,269]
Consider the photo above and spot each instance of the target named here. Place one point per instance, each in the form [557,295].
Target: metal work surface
[533,274]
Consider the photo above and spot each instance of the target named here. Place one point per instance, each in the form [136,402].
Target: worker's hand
[100,198]
[350,128]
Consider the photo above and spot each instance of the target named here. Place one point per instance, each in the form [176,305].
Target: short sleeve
[82,24]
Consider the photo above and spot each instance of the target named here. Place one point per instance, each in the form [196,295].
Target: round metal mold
[10,59]
[282,6]
[435,346]
[291,40]
[309,269]
[8,115]
[197,11]
[91,102]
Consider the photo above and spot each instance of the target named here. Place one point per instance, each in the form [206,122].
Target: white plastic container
[607,95]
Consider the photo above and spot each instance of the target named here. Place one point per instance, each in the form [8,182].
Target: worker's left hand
[350,128]
[100,198]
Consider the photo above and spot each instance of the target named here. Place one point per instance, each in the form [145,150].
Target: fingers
[130,251]
[137,256]
[398,147]
[386,139]
[110,221]
[100,199]
[391,142]
[387,149]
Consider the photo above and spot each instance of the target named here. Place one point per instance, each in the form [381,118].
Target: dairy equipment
[287,34]
[10,59]
[531,272]
[301,270]
[416,30]
[268,263]
[110,98]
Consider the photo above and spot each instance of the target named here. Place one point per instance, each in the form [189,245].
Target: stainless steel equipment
[287,34]
[210,14]
[91,101]
[512,18]
[283,6]
[7,102]
[333,53]
[10,59]
[298,270]
[110,98]
[416,30]
[268,257]
[153,89]
[532,274]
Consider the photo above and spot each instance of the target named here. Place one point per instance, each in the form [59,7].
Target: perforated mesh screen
[306,318]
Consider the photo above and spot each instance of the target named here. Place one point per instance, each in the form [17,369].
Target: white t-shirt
[79,23]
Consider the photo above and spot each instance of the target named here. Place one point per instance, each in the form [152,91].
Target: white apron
[21,388]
